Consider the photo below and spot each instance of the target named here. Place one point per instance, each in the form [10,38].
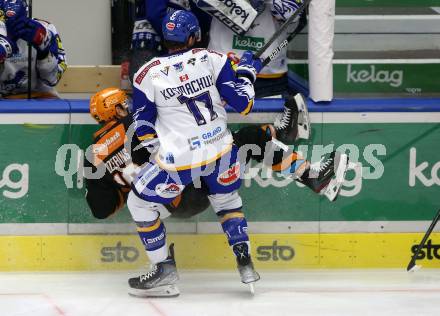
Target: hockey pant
[154,187]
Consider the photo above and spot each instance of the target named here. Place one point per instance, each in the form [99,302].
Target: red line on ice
[45,296]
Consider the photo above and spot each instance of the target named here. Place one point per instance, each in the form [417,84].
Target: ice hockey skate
[160,281]
[326,176]
[245,266]
[294,122]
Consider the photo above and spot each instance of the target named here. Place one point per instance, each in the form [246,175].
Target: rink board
[374,223]
[270,251]
[33,192]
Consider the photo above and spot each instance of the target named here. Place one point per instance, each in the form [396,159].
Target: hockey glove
[249,66]
[32,32]
[7,48]
[282,10]
[258,5]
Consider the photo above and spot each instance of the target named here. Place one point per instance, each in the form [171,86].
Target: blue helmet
[179,25]
[14,9]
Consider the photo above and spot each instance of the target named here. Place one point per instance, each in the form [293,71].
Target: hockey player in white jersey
[179,99]
[48,58]
[272,80]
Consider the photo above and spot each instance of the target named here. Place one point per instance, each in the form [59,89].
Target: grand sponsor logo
[15,181]
[418,171]
[275,252]
[429,251]
[230,176]
[194,143]
[207,138]
[212,134]
[247,42]
[374,75]
[168,190]
[119,253]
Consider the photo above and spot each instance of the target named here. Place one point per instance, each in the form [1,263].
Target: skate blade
[332,190]
[415,268]
[303,128]
[160,291]
[252,288]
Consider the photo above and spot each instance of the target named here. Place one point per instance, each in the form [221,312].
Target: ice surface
[311,292]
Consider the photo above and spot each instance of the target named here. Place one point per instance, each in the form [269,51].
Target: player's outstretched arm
[236,87]
[156,10]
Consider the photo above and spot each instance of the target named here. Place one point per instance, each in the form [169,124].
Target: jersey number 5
[204,98]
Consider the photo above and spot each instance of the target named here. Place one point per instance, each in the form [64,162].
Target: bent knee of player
[225,202]
[141,210]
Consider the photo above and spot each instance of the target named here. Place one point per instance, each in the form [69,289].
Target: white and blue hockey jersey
[180,99]
[46,72]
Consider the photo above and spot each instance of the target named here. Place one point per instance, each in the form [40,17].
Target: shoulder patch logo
[191,61]
[144,71]
[178,67]
[204,58]
[165,70]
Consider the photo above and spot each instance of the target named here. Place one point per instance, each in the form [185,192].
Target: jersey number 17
[204,98]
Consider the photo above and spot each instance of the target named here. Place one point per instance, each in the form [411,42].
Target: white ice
[298,292]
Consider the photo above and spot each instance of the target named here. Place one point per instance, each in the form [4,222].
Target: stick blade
[413,268]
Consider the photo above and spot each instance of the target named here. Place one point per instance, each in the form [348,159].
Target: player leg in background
[153,188]
[320,177]
[223,183]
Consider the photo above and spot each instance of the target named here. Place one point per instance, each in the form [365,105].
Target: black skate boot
[159,281]
[327,176]
[245,266]
[294,122]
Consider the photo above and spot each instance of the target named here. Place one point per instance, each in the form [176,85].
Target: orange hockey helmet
[103,104]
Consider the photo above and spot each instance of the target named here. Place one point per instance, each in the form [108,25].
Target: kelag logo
[417,171]
[247,43]
[119,253]
[275,252]
[429,251]
[375,74]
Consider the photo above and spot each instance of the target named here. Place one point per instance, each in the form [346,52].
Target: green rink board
[402,78]
[387,3]
[391,197]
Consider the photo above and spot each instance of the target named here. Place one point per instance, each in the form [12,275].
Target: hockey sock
[153,236]
[235,227]
[291,165]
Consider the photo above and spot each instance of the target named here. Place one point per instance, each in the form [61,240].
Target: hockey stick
[283,27]
[29,65]
[412,263]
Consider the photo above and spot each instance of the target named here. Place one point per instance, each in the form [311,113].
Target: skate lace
[320,166]
[149,274]
[283,120]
